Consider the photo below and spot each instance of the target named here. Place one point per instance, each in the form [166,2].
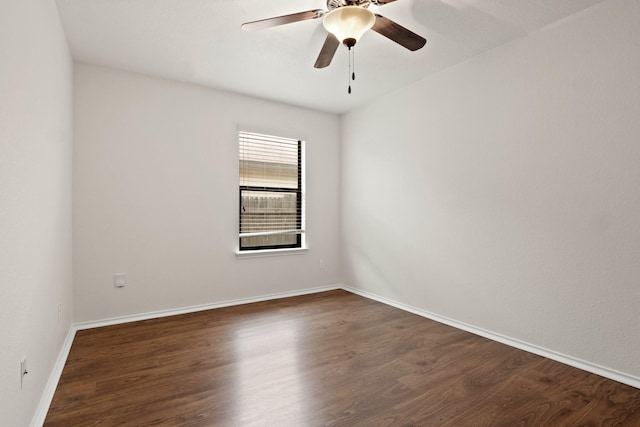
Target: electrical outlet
[321,263]
[120,280]
[23,370]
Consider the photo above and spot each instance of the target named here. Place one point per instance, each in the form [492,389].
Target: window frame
[300,205]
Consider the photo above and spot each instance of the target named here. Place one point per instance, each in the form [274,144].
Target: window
[271,196]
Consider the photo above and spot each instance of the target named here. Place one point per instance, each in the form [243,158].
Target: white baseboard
[531,348]
[54,378]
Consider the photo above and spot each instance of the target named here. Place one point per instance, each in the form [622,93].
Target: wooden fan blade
[381,2]
[398,33]
[329,48]
[281,20]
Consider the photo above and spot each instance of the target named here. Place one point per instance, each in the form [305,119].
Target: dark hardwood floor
[328,359]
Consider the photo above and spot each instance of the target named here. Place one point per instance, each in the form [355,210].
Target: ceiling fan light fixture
[348,23]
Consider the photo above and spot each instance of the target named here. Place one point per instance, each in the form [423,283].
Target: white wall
[155,195]
[35,201]
[505,192]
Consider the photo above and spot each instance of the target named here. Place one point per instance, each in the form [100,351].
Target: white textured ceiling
[200,41]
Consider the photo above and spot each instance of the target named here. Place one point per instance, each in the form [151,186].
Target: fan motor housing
[334,4]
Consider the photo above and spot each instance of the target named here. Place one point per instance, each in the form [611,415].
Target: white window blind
[271,205]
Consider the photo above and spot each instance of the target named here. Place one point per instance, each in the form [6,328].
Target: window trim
[248,254]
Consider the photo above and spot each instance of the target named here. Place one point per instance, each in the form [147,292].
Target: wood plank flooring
[328,359]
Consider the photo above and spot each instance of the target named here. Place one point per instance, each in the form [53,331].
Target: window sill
[270,252]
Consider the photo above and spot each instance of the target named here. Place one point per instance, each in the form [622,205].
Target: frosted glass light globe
[349,23]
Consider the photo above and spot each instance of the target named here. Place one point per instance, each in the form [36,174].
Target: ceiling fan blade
[281,20]
[329,48]
[381,2]
[398,33]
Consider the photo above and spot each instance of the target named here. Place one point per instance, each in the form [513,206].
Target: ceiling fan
[346,21]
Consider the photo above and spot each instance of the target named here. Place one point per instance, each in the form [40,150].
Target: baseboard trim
[52,383]
[201,307]
[540,351]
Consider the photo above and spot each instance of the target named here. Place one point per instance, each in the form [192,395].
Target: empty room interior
[457,229]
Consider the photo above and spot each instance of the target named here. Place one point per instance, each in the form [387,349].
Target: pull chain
[353,56]
[352,67]
[349,75]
